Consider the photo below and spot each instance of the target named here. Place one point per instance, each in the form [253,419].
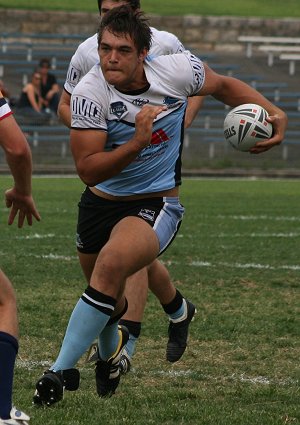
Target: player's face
[107,5]
[121,64]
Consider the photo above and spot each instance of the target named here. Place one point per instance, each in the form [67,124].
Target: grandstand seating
[203,141]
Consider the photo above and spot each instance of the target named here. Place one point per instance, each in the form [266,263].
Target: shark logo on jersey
[73,75]
[85,109]
[140,102]
[171,102]
[118,109]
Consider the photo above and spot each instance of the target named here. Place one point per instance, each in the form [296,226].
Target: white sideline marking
[38,236]
[244,266]
[55,257]
[258,235]
[260,380]
[259,217]
[30,364]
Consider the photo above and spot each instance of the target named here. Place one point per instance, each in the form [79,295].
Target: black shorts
[97,217]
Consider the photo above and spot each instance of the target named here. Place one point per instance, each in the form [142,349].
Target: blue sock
[134,329]
[130,345]
[178,314]
[8,352]
[177,308]
[108,341]
[87,321]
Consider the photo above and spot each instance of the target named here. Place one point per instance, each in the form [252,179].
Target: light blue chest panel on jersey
[157,167]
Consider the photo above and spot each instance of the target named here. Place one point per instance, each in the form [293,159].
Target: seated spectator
[50,90]
[31,102]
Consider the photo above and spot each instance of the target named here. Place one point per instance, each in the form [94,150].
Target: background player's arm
[64,112]
[193,107]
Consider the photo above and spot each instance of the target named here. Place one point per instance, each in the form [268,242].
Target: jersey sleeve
[5,110]
[75,72]
[88,110]
[198,72]
[85,57]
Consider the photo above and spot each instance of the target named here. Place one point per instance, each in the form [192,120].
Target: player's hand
[144,124]
[279,123]
[21,205]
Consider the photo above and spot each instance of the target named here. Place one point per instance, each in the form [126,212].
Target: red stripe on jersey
[6,115]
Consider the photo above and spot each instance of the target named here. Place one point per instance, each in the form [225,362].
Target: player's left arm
[234,92]
[18,156]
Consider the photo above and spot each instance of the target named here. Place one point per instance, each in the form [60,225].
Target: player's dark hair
[123,20]
[134,4]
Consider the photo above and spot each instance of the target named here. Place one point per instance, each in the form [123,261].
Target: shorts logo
[118,109]
[140,102]
[87,109]
[147,214]
[79,244]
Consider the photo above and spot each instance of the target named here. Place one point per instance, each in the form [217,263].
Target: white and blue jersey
[97,105]
[86,55]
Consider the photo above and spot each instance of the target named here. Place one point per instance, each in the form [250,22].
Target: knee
[109,269]
[7,293]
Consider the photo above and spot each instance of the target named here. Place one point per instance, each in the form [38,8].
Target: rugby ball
[245,125]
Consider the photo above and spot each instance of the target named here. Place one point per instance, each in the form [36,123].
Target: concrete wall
[199,32]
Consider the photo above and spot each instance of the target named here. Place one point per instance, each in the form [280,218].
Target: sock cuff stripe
[99,296]
[97,304]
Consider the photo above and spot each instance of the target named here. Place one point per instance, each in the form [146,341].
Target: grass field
[236,257]
[267,8]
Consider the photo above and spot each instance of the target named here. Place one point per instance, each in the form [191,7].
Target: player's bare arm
[235,92]
[193,107]
[18,158]
[63,111]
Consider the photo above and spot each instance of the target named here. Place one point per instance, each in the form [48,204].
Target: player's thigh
[133,244]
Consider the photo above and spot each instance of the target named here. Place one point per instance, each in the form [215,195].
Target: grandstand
[205,149]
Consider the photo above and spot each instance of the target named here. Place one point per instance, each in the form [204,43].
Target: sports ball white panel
[245,125]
